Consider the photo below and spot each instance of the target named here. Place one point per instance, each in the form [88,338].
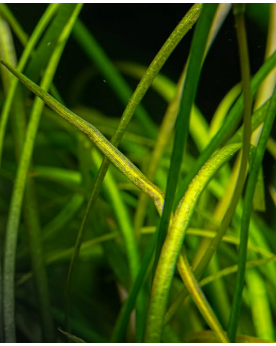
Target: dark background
[136,32]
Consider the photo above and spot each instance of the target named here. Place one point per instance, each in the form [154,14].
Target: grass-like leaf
[183,118]
[249,194]
[15,210]
[174,241]
[227,127]
[45,19]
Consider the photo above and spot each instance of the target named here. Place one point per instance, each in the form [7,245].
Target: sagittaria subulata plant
[125,222]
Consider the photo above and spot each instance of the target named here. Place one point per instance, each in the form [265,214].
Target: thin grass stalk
[226,128]
[261,311]
[45,19]
[123,319]
[168,122]
[112,192]
[199,298]
[264,93]
[171,248]
[120,210]
[32,221]
[7,14]
[183,118]
[114,155]
[233,269]
[18,192]
[160,145]
[266,88]
[30,208]
[245,153]
[223,108]
[248,200]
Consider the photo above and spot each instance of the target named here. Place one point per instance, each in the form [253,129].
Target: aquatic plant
[126,221]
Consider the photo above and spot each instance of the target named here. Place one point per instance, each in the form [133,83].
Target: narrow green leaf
[49,42]
[227,127]
[248,200]
[171,248]
[72,337]
[260,306]
[7,14]
[18,192]
[183,118]
[239,10]
[102,143]
[199,298]
[31,214]
[45,19]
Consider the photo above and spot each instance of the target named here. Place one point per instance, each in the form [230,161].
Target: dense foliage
[170,236]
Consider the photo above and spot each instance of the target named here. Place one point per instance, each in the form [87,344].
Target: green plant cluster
[116,230]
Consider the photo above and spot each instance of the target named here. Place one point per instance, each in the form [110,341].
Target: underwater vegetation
[137,198]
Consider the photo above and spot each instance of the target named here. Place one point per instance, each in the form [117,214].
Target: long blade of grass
[171,92]
[32,221]
[257,161]
[17,197]
[171,248]
[47,45]
[45,19]
[256,238]
[223,109]
[264,93]
[123,319]
[183,118]
[122,216]
[7,14]
[114,155]
[30,207]
[227,127]
[234,269]
[111,190]
[198,297]
[245,152]
[260,305]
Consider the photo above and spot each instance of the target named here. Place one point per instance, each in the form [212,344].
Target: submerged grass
[129,259]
